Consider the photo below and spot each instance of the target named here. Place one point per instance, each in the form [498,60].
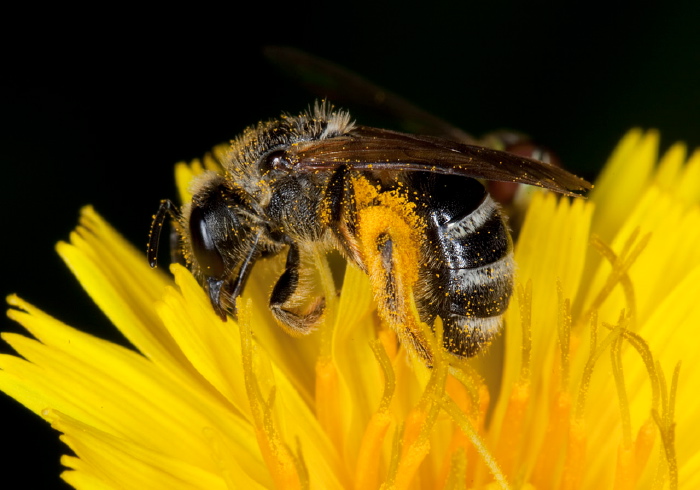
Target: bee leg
[176,255]
[166,208]
[285,292]
[339,194]
[235,288]
[342,212]
[393,294]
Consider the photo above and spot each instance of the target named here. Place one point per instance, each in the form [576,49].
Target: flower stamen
[666,424]
[620,265]
[619,377]
[462,421]
[593,356]
[369,456]
[564,335]
[419,422]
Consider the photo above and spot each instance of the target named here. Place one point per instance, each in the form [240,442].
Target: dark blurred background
[98,113]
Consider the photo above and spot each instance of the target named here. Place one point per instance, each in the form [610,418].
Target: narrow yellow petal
[121,283]
[613,200]
[184,174]
[125,464]
[551,249]
[671,166]
[689,185]
[352,355]
[132,395]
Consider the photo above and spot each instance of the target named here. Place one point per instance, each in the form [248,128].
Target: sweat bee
[406,209]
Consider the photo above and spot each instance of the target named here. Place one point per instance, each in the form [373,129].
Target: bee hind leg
[285,295]
[392,293]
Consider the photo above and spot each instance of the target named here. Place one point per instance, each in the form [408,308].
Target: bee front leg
[285,295]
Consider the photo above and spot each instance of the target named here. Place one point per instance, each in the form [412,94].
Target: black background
[98,111]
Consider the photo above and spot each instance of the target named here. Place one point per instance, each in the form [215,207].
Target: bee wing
[342,86]
[372,149]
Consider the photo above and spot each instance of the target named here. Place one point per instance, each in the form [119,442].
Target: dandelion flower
[585,389]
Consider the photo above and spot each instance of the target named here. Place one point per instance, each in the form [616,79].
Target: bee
[406,209]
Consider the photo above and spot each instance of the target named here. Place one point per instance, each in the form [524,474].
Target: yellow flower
[582,391]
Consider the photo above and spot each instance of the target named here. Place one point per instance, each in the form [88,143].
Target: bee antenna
[166,208]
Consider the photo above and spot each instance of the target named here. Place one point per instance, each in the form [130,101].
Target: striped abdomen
[468,276]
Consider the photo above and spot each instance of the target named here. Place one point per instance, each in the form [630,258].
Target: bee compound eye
[208,257]
[278,160]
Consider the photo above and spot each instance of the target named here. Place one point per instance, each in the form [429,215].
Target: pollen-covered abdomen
[468,277]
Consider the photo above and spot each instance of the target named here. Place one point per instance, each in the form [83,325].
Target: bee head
[220,238]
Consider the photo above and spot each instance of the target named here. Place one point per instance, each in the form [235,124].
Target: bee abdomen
[470,287]
[475,240]
[480,292]
[471,303]
[465,336]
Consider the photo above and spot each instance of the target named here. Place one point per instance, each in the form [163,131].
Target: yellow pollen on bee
[385,217]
